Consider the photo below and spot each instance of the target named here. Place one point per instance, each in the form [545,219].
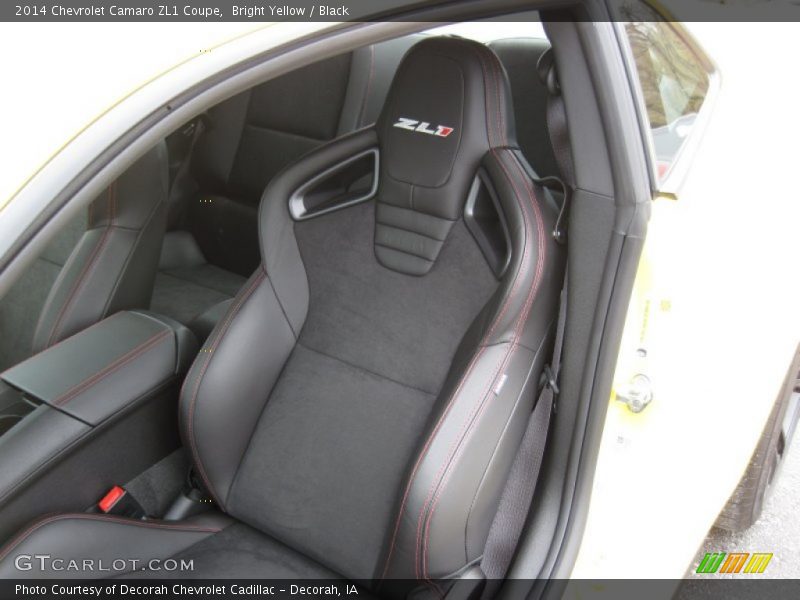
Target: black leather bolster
[103,369]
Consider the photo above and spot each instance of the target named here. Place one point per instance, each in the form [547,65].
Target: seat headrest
[448,105]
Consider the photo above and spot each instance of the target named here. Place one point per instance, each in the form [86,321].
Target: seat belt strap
[183,185]
[559,136]
[517,496]
[558,133]
[194,131]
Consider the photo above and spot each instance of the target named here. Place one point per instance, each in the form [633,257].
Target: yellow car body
[715,309]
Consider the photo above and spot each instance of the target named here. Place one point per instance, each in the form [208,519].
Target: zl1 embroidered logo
[735,562]
[423,127]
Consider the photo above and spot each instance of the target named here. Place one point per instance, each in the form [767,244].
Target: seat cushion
[214,545]
[186,293]
[82,537]
[188,288]
[241,552]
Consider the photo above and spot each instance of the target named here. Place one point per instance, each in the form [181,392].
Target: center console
[89,413]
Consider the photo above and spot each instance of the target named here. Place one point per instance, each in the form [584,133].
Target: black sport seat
[213,244]
[356,411]
[103,262]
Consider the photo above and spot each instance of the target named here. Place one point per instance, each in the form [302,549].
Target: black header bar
[365,10]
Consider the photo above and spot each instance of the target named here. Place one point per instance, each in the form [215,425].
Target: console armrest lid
[106,367]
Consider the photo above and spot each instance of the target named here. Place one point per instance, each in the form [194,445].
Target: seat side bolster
[473,459]
[454,487]
[230,381]
[86,537]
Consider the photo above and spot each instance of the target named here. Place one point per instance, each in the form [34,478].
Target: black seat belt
[558,132]
[517,497]
[183,185]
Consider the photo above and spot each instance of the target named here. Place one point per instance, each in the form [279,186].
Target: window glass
[674,84]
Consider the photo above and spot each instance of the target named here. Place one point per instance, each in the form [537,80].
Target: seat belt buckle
[118,501]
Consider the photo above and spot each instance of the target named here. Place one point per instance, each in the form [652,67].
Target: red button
[111,498]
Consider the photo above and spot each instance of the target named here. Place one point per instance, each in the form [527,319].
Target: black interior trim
[349,182]
[487,223]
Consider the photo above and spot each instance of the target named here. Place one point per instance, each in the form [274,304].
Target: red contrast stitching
[473,362]
[88,517]
[500,130]
[515,344]
[443,475]
[499,117]
[418,566]
[88,267]
[442,483]
[209,353]
[114,366]
[92,326]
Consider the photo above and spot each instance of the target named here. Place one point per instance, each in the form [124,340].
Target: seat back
[254,135]
[364,396]
[22,305]
[113,264]
[520,57]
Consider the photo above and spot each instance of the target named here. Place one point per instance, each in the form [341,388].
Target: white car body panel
[724,258]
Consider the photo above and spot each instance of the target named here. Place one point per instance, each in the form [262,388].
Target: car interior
[302,336]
